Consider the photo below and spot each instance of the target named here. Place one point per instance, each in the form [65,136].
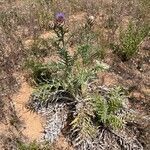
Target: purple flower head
[60,17]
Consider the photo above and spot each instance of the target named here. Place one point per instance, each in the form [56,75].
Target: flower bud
[51,25]
[59,19]
[90,20]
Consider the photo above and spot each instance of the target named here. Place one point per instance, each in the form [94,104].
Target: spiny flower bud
[90,20]
[51,25]
[59,19]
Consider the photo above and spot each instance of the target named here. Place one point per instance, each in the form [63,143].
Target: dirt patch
[32,123]
[47,35]
[3,128]
[62,144]
[77,17]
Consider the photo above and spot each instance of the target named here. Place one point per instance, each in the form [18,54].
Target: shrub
[70,82]
[129,40]
[70,74]
[81,111]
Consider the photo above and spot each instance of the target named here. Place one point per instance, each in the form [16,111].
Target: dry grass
[28,20]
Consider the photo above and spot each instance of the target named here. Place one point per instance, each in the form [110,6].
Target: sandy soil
[32,122]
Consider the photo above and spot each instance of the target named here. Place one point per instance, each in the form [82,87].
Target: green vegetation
[130,40]
[39,73]
[33,146]
[107,109]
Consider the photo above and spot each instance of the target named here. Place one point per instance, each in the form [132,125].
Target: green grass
[130,39]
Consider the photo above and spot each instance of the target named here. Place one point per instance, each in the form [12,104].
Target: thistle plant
[69,88]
